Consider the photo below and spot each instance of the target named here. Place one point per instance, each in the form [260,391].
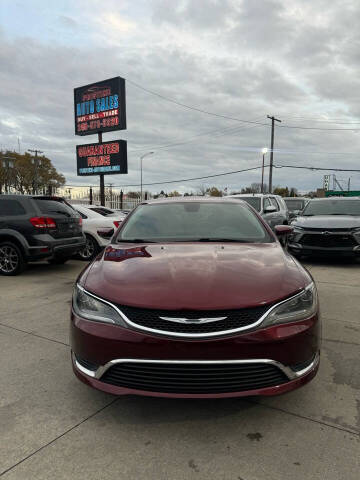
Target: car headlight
[356,231]
[92,308]
[299,307]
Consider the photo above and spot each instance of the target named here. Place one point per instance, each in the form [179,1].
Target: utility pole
[36,165]
[273,120]
[264,151]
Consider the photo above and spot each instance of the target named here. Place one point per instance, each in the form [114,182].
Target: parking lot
[53,426]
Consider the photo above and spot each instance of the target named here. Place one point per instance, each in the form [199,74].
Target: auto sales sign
[100,107]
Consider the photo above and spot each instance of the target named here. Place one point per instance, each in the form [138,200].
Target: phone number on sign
[96,124]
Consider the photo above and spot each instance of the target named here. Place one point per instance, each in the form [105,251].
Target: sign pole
[102,183]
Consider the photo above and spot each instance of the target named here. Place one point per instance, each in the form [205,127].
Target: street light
[264,152]
[141,175]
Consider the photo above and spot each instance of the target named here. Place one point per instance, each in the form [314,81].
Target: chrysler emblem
[326,233]
[193,320]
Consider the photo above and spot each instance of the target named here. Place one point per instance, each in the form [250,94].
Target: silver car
[271,207]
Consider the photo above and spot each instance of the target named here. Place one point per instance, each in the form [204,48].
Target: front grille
[327,241]
[150,318]
[194,378]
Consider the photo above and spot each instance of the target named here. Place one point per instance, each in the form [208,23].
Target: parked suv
[272,208]
[36,228]
[327,226]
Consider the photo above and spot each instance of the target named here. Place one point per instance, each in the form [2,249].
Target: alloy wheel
[9,259]
[89,250]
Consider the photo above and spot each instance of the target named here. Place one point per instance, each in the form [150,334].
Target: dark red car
[195,298]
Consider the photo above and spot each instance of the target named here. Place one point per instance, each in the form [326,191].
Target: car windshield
[332,207]
[194,221]
[255,202]
[295,204]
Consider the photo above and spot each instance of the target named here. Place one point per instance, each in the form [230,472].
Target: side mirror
[270,209]
[283,230]
[106,233]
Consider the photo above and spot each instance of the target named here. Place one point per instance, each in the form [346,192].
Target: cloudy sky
[241,59]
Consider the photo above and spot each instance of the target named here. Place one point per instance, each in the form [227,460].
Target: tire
[58,260]
[90,250]
[12,261]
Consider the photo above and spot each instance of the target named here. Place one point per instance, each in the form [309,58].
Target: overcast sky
[246,59]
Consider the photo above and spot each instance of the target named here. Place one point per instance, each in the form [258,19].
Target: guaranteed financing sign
[106,158]
[100,107]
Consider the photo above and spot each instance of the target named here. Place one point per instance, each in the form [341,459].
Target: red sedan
[195,298]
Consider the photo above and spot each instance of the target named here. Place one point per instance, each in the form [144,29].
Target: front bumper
[290,349]
[324,242]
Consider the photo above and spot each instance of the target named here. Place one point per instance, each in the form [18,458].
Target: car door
[269,216]
[277,216]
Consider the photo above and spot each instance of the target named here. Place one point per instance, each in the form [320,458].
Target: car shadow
[330,261]
[152,410]
[45,268]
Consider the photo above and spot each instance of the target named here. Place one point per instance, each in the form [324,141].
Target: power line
[222,132]
[319,168]
[184,105]
[191,179]
[200,110]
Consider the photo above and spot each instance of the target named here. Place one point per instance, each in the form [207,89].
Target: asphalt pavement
[54,427]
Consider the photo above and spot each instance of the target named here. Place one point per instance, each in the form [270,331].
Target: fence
[112,199]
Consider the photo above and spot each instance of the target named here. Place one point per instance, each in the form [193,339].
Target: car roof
[296,198]
[250,195]
[334,198]
[226,199]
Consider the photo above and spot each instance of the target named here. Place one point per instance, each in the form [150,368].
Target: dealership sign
[100,107]
[102,158]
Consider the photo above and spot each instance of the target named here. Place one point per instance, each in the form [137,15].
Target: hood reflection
[120,254]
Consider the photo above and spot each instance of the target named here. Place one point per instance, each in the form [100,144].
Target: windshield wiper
[222,240]
[134,240]
[308,215]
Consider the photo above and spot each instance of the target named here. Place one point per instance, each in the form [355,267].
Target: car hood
[194,276]
[327,221]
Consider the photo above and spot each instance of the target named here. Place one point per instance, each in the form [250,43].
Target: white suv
[271,207]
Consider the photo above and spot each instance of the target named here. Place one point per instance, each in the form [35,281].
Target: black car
[329,225]
[36,228]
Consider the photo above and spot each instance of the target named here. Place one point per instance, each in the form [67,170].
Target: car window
[274,203]
[194,221]
[295,204]
[267,203]
[281,203]
[82,215]
[255,202]
[49,207]
[11,208]
[332,207]
[102,211]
